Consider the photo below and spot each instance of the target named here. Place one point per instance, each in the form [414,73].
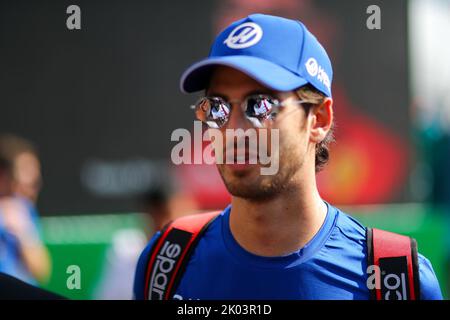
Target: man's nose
[238,120]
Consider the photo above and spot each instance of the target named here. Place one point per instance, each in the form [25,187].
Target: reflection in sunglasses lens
[214,111]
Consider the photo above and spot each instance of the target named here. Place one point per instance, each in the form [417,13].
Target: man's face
[293,145]
[27,176]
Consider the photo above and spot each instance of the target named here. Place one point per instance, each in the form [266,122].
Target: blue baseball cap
[279,53]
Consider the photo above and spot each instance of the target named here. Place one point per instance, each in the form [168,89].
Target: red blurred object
[368,162]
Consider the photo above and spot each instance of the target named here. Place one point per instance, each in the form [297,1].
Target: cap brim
[196,77]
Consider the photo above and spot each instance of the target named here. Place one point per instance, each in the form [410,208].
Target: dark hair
[315,98]
[155,197]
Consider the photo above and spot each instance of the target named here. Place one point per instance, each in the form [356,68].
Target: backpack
[391,260]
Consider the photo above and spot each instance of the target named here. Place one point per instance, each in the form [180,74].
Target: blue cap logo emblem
[312,67]
[244,36]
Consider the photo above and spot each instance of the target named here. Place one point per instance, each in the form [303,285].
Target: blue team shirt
[332,265]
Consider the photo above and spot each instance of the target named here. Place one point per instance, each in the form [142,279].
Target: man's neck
[278,226]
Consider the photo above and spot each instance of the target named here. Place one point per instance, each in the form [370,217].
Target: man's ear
[322,120]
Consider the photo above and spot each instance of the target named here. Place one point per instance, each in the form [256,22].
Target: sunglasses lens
[260,107]
[214,111]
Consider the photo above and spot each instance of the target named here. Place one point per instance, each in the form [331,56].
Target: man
[24,255]
[278,239]
[26,179]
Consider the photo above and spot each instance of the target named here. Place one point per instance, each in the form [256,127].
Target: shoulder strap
[171,252]
[394,258]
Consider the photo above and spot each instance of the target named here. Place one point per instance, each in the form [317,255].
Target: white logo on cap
[312,67]
[244,36]
[318,72]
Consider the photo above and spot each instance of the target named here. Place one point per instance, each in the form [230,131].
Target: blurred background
[86,118]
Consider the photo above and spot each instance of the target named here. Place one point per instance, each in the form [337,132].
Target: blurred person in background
[158,206]
[161,205]
[126,245]
[22,252]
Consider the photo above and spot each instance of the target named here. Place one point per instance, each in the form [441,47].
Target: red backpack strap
[395,259]
[171,252]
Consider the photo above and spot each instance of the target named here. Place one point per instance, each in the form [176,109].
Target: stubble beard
[253,186]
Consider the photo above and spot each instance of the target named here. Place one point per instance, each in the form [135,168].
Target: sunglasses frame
[244,105]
